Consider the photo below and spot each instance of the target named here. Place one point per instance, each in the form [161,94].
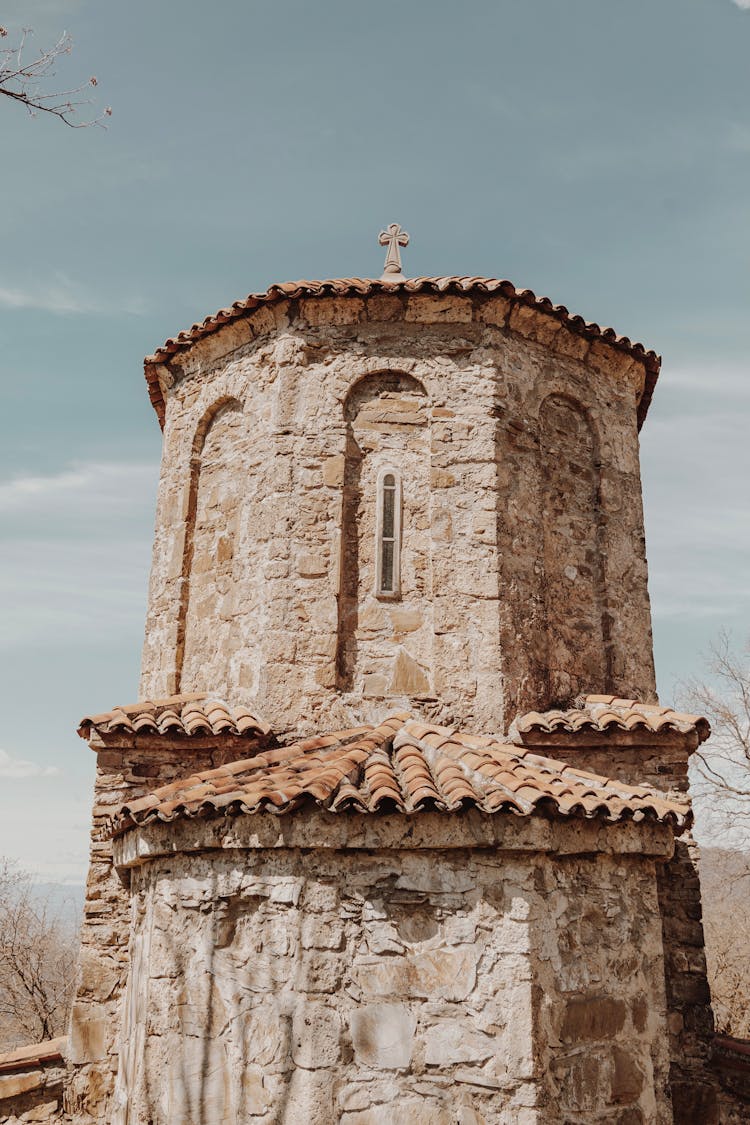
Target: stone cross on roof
[393,238]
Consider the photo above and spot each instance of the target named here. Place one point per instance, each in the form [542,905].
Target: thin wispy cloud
[76,594]
[19,492]
[742,3]
[65,297]
[76,550]
[86,487]
[16,769]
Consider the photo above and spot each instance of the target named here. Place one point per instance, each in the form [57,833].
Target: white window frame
[380,495]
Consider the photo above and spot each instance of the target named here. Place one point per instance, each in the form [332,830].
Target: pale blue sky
[595,151]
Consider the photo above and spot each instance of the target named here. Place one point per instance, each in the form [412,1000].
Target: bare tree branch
[725,876]
[722,766]
[38,951]
[723,763]
[25,79]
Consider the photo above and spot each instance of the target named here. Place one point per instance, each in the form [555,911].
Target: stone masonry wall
[393,987]
[600,974]
[124,771]
[507,599]
[663,764]
[32,1094]
[695,1093]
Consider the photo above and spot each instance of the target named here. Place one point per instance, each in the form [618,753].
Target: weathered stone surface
[593,1017]
[316,1030]
[33,1094]
[518,457]
[309,1098]
[88,1034]
[407,678]
[446,974]
[411,1111]
[255,1095]
[98,976]
[450,1042]
[458,1017]
[383,1035]
[11,1085]
[322,933]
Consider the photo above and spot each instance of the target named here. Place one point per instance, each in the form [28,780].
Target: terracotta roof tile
[357,286]
[603,714]
[403,765]
[197,714]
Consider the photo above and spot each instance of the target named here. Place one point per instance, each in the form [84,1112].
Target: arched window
[388,534]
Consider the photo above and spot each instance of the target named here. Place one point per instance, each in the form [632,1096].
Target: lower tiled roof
[197,714]
[604,713]
[402,765]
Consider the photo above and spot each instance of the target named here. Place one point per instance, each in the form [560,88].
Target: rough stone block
[316,1031]
[88,1034]
[327,310]
[430,309]
[383,1035]
[601,1017]
[333,471]
[407,678]
[322,933]
[374,686]
[312,564]
[13,1085]
[451,1041]
[444,974]
[409,1111]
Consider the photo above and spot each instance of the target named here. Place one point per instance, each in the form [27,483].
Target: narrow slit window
[388,534]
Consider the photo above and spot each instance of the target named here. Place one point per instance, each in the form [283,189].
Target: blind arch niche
[206,634]
[578,651]
[385,633]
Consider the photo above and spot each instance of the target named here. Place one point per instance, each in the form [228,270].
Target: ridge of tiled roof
[33,1055]
[359,286]
[194,714]
[403,765]
[605,713]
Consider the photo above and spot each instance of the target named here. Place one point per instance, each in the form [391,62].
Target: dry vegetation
[722,786]
[725,876]
[38,949]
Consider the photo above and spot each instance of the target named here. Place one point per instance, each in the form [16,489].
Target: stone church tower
[479,443]
[397,832]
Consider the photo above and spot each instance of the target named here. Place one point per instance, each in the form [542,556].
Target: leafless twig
[725,878]
[38,949]
[24,78]
[722,766]
[723,763]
